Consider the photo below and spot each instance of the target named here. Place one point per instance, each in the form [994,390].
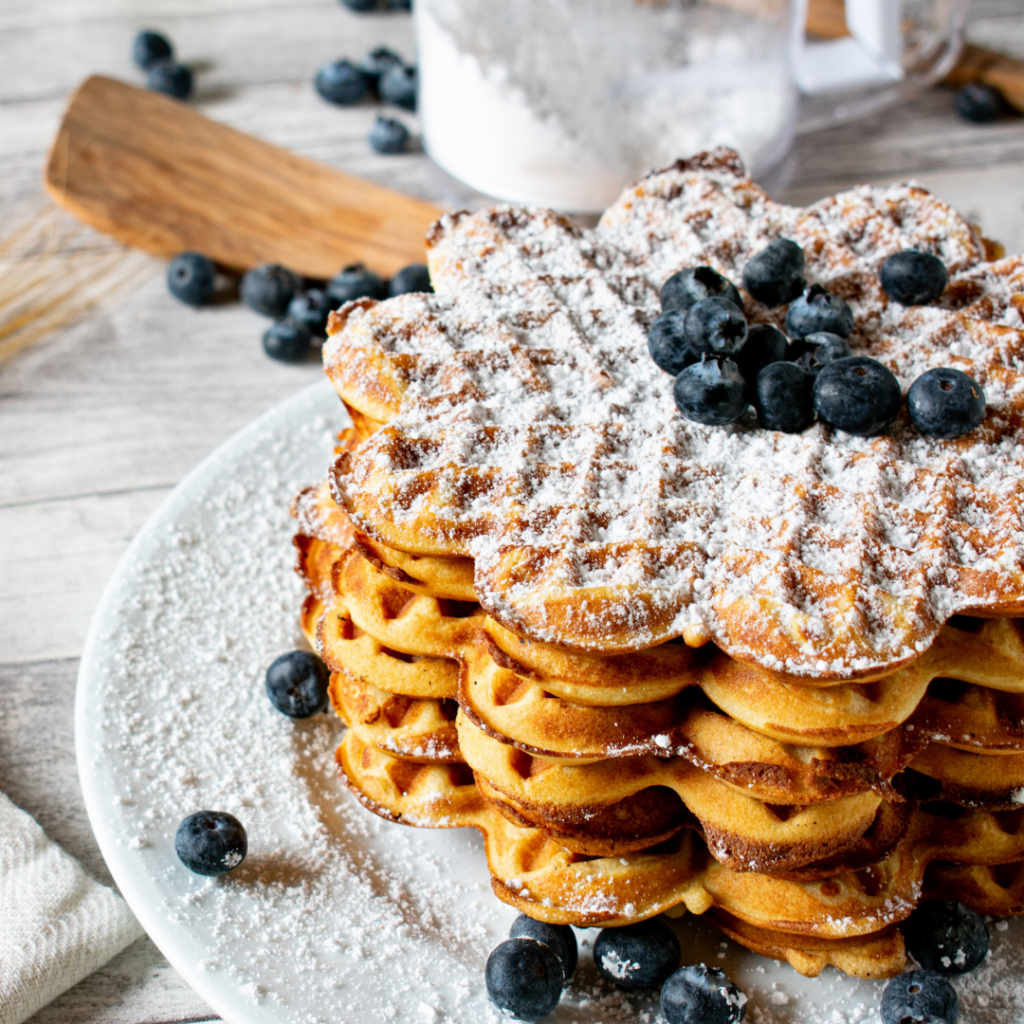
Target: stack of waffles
[664,667]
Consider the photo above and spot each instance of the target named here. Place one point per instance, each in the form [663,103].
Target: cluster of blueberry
[299,309]
[722,364]
[381,73]
[525,974]
[153,52]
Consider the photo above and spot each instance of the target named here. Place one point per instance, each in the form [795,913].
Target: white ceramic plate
[335,916]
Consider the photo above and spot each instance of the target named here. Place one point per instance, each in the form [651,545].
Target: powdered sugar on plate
[335,915]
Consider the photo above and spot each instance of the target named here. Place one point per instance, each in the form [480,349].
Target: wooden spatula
[157,175]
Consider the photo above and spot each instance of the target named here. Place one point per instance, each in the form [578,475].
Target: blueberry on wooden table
[268,289]
[946,937]
[341,82]
[148,47]
[377,61]
[979,103]
[944,402]
[691,284]
[715,326]
[775,275]
[818,310]
[191,278]
[296,684]
[311,308]
[857,394]
[712,392]
[783,397]
[666,342]
[913,278]
[918,994]
[211,842]
[560,938]
[360,5]
[389,136]
[413,278]
[398,86]
[398,5]
[637,956]
[524,978]
[287,341]
[817,350]
[355,282]
[170,78]
[701,995]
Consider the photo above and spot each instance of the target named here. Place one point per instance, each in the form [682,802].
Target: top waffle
[527,427]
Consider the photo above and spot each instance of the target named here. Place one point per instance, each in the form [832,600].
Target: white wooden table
[100,420]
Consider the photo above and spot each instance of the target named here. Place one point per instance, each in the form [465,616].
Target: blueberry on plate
[979,103]
[783,397]
[691,284]
[296,684]
[945,403]
[913,278]
[560,938]
[269,288]
[379,60]
[524,978]
[413,278]
[398,85]
[355,282]
[765,344]
[287,341]
[916,994]
[946,937]
[701,995]
[817,350]
[712,391]
[715,326]
[638,955]
[148,47]
[341,83]
[169,78]
[857,394]
[311,308]
[818,310]
[389,136]
[775,275]
[211,842]
[666,342]
[191,278]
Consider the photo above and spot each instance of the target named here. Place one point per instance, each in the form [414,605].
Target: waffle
[774,679]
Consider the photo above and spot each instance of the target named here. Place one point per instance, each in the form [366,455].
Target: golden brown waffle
[527,428]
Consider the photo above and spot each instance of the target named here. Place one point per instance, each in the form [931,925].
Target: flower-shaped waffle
[525,426]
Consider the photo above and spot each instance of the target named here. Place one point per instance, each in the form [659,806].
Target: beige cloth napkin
[57,925]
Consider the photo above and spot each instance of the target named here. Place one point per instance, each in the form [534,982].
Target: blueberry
[191,278]
[355,282]
[818,310]
[341,82]
[287,341]
[389,136]
[296,684]
[169,78]
[360,5]
[667,343]
[211,842]
[946,403]
[413,278]
[817,350]
[913,278]
[783,398]
[701,995]
[524,978]
[377,61]
[559,937]
[775,275]
[638,955]
[946,937]
[979,103]
[917,993]
[269,288]
[399,5]
[691,284]
[857,394]
[149,47]
[311,308]
[712,391]
[398,85]
[765,344]
[715,326]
